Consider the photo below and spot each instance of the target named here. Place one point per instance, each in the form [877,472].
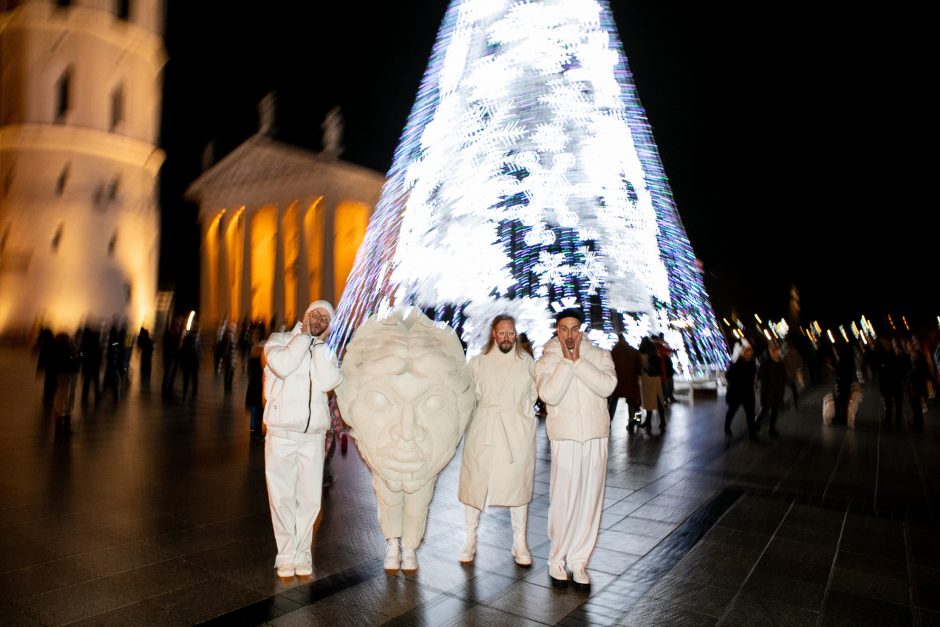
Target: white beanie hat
[321,304]
[325,306]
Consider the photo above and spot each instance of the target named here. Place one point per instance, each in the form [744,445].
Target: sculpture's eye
[377,400]
[435,402]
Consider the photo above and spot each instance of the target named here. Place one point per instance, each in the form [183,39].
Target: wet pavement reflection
[144,510]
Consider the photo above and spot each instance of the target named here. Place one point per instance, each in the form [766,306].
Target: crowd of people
[292,407]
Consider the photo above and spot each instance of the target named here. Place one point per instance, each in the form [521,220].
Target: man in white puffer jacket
[300,369]
[574,379]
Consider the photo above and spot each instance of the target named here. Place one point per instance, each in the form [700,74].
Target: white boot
[392,561]
[520,550]
[409,560]
[472,520]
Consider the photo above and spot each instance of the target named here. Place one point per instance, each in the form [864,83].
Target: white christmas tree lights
[527,175]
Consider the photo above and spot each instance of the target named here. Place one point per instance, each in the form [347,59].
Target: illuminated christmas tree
[527,178]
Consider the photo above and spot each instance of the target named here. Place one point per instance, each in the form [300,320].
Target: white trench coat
[498,462]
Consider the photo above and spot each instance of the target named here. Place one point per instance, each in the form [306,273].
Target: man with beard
[498,463]
[300,371]
[574,378]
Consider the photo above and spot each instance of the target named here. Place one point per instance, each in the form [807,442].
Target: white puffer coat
[575,393]
[299,371]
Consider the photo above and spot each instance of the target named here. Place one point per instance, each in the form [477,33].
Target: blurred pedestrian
[651,385]
[114,363]
[65,362]
[845,376]
[254,400]
[773,379]
[45,347]
[888,366]
[172,336]
[741,376]
[794,367]
[145,346]
[629,364]
[189,363]
[91,361]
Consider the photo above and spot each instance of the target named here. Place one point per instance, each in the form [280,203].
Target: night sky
[790,134]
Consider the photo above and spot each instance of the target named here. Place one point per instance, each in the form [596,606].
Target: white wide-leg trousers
[294,473]
[579,473]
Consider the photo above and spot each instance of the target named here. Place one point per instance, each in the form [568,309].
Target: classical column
[327,263]
[279,269]
[208,262]
[224,286]
[303,296]
[244,290]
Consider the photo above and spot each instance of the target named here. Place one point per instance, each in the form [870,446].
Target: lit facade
[280,227]
[80,97]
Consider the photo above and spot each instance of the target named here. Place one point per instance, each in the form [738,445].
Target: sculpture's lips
[404,459]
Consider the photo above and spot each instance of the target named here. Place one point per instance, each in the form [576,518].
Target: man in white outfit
[300,369]
[574,378]
[498,463]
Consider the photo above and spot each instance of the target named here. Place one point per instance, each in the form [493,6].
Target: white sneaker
[558,576]
[409,560]
[392,561]
[285,570]
[304,569]
[580,579]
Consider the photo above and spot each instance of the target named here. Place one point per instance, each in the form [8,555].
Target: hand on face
[569,335]
[315,322]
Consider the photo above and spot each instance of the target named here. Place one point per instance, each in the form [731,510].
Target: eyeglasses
[505,334]
[318,316]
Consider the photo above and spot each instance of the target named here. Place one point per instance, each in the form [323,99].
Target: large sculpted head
[408,395]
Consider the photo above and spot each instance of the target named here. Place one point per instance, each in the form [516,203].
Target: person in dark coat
[145,346]
[888,366]
[189,363]
[741,376]
[845,376]
[773,381]
[45,346]
[171,344]
[91,362]
[628,363]
[66,363]
[114,363]
[254,401]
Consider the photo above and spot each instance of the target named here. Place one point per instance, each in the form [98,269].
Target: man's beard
[569,344]
[505,347]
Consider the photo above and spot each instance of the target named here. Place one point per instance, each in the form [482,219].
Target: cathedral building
[80,99]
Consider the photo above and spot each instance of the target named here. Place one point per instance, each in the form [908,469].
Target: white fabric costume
[498,462]
[407,395]
[578,423]
[300,369]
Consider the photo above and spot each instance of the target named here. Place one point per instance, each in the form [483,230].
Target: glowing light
[527,173]
[759,321]
[189,320]
[728,324]
[842,331]
[767,334]
[829,333]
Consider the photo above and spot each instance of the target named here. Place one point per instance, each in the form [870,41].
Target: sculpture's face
[408,397]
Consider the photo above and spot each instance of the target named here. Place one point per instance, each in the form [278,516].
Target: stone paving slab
[147,511]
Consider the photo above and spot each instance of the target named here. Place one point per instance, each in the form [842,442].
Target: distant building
[80,96]
[280,227]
